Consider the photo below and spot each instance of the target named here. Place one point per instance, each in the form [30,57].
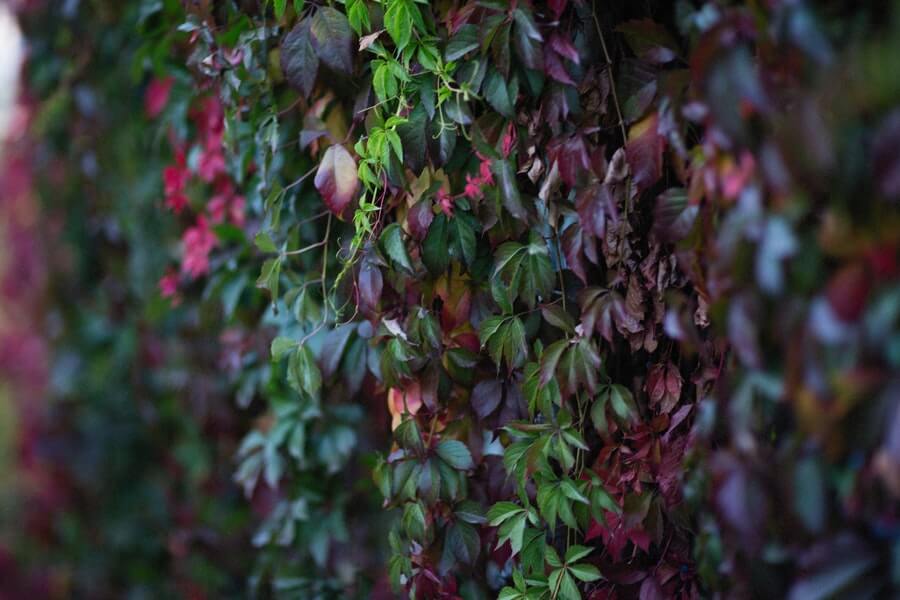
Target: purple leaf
[486,397]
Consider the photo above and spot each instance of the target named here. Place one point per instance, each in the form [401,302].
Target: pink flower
[473,188]
[168,285]
[198,241]
[176,202]
[157,96]
[210,118]
[736,177]
[509,140]
[236,211]
[217,207]
[445,201]
[212,161]
[175,178]
[226,205]
[484,171]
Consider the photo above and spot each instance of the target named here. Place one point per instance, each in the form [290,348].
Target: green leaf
[551,556]
[532,554]
[502,511]
[555,315]
[434,247]
[573,493]
[392,241]
[269,275]
[575,553]
[550,360]
[509,189]
[598,414]
[601,501]
[585,572]
[526,271]
[462,42]
[497,94]
[303,372]
[553,581]
[408,435]
[549,498]
[280,7]
[568,589]
[505,340]
[413,133]
[455,454]
[514,531]
[357,15]
[464,541]
[470,512]
[264,242]
[527,39]
[384,82]
[463,229]
[281,346]
[508,593]
[398,22]
[622,402]
[413,520]
[396,144]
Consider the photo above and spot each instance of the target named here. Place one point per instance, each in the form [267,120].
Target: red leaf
[644,151]
[337,181]
[572,158]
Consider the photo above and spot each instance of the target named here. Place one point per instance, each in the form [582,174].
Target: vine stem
[324,243]
[305,248]
[609,66]
[302,177]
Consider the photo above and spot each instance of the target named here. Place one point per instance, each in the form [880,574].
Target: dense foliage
[558,299]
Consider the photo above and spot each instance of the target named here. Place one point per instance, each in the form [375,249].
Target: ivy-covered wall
[466,299]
